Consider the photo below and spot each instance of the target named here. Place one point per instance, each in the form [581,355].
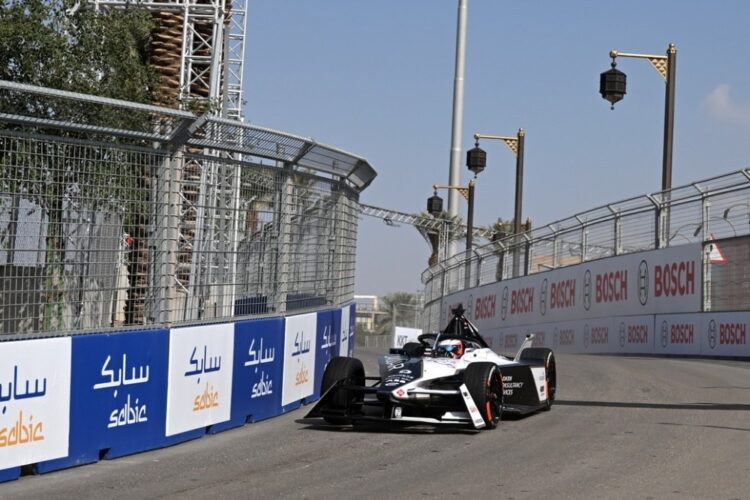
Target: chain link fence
[714,211]
[118,215]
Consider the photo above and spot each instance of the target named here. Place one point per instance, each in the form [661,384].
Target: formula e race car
[451,377]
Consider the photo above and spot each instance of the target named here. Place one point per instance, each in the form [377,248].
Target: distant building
[368,309]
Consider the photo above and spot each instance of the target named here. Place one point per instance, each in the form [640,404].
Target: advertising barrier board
[327,346]
[199,389]
[660,281]
[725,334]
[34,401]
[258,370]
[402,335]
[117,399]
[300,333]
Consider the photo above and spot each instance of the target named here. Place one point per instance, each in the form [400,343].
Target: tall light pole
[612,88]
[476,160]
[458,111]
[516,145]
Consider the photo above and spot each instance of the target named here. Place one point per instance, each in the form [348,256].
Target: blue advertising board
[258,365]
[327,346]
[118,383]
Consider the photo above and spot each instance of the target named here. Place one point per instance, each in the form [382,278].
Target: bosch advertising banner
[34,401]
[725,334]
[300,333]
[200,376]
[327,346]
[660,281]
[567,336]
[678,334]
[635,334]
[259,359]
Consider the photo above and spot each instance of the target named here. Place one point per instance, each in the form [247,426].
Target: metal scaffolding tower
[198,51]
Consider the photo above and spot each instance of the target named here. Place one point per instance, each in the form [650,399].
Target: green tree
[393,306]
[65,45]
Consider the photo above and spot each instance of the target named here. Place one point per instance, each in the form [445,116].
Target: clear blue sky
[376,78]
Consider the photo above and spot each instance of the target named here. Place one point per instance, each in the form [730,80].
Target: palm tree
[392,307]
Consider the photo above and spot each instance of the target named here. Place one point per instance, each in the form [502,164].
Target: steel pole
[469,235]
[458,113]
[666,174]
[519,201]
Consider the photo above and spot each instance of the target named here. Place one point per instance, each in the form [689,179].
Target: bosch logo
[664,334]
[484,307]
[643,282]
[732,333]
[676,279]
[712,334]
[562,294]
[623,337]
[586,336]
[543,298]
[587,290]
[504,304]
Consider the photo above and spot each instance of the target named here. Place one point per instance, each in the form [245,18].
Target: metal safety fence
[115,214]
[713,211]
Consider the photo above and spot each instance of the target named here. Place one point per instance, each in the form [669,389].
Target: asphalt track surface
[623,427]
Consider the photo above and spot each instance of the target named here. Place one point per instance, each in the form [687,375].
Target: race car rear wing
[528,342]
[460,326]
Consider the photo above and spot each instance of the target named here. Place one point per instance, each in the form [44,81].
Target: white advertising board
[677,334]
[660,281]
[402,335]
[34,401]
[634,334]
[598,335]
[344,332]
[568,336]
[299,356]
[199,387]
[725,334]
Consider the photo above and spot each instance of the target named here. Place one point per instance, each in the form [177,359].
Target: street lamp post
[516,145]
[475,161]
[612,85]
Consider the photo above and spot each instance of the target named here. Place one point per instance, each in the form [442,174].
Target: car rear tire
[545,356]
[345,400]
[485,384]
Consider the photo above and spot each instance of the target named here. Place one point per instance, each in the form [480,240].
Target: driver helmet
[451,348]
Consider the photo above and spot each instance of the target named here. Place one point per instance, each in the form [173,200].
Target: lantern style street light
[516,145]
[612,85]
[475,161]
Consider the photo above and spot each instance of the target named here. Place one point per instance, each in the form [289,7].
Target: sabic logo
[586,335]
[643,282]
[543,298]
[712,334]
[664,334]
[622,334]
[587,290]
[504,304]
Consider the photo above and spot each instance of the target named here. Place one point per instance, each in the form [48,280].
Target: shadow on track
[388,427]
[658,406]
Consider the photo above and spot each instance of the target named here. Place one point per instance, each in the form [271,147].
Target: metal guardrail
[715,208]
[116,214]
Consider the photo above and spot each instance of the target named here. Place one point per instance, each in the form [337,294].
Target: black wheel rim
[493,396]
